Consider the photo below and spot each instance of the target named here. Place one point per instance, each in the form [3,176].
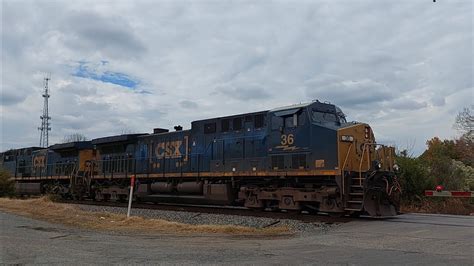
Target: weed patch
[459,206]
[44,209]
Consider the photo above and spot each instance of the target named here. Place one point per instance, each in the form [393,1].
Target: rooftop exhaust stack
[160,130]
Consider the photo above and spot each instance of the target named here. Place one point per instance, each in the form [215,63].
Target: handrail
[391,159]
[368,160]
[343,167]
[360,164]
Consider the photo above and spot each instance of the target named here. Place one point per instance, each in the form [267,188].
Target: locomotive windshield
[289,119]
[340,115]
[324,117]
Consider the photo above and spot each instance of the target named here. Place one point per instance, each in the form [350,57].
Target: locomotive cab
[305,137]
[314,144]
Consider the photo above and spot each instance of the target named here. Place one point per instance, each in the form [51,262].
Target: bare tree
[465,122]
[74,138]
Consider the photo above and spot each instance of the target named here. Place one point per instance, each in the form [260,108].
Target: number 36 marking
[287,139]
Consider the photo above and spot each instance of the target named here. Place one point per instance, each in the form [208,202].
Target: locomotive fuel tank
[161,187]
[190,188]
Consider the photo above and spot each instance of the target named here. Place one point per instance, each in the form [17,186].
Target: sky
[405,66]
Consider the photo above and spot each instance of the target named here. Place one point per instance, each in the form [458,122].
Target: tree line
[449,162]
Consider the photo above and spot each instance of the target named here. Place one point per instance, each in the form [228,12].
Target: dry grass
[45,209]
[457,206]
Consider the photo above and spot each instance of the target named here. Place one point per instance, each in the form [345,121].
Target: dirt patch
[45,209]
[459,206]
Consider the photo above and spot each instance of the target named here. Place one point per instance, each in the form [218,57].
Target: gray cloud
[10,97]
[348,92]
[389,64]
[91,32]
[244,93]
[405,104]
[438,100]
[80,91]
[188,104]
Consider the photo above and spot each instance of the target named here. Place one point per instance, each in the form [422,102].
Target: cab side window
[289,121]
[209,128]
[294,120]
[237,123]
[258,121]
[277,122]
[225,125]
[301,118]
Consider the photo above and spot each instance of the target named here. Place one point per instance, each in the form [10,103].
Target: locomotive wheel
[253,202]
[98,196]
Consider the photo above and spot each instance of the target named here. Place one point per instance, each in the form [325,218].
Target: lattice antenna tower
[45,118]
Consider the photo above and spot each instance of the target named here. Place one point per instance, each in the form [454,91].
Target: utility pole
[45,124]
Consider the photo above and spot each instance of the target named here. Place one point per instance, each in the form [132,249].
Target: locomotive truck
[293,158]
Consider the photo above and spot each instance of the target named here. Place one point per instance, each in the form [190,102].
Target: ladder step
[355,201]
[352,209]
[356,194]
[357,186]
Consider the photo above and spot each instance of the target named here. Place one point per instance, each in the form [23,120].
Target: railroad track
[213,209]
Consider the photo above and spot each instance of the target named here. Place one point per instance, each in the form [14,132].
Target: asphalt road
[408,239]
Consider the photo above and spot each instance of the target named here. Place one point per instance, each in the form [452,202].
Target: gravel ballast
[196,218]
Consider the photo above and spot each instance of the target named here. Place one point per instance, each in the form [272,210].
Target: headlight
[367,132]
[377,165]
[347,138]
[396,168]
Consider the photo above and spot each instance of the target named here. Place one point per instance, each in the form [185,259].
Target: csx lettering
[39,161]
[287,139]
[168,149]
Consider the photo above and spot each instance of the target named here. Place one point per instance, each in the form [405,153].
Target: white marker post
[132,183]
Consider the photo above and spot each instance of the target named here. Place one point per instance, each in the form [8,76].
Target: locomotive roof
[289,107]
[71,145]
[230,116]
[33,148]
[278,109]
[164,133]
[320,106]
[118,138]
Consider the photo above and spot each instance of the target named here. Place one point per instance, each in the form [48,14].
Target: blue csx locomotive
[300,157]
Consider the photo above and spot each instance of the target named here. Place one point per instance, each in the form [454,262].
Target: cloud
[108,34]
[405,104]
[11,97]
[188,104]
[389,64]
[438,100]
[243,93]
[348,92]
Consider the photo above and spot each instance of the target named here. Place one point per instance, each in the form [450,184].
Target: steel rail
[215,209]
